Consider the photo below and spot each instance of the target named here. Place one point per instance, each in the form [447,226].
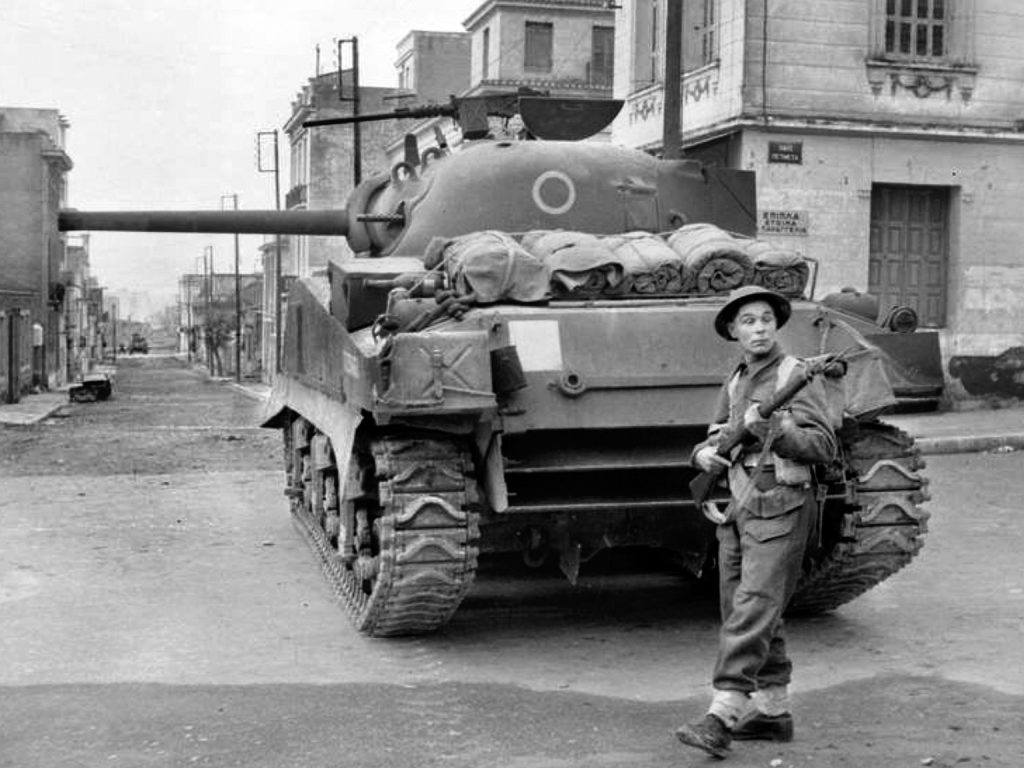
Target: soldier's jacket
[793,450]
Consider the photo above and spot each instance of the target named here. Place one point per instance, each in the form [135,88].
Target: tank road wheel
[397,540]
[878,529]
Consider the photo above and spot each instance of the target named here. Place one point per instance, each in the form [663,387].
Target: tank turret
[514,186]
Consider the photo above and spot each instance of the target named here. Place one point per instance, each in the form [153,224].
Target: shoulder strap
[786,368]
[733,385]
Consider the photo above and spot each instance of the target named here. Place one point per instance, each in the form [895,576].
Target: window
[486,64]
[709,32]
[927,32]
[922,47]
[916,28]
[539,37]
[700,34]
[645,43]
[602,55]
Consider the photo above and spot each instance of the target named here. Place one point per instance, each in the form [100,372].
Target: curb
[975,444]
[249,392]
[23,418]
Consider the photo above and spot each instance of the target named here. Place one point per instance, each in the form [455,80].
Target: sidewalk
[254,389]
[968,431]
[32,408]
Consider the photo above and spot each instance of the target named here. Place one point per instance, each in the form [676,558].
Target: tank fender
[335,419]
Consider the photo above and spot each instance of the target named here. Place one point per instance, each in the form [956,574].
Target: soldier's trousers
[760,560]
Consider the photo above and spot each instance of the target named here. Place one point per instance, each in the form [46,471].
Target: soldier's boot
[709,734]
[757,726]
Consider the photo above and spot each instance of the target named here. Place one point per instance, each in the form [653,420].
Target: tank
[478,382]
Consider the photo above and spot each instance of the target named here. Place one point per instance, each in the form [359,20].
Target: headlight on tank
[901,320]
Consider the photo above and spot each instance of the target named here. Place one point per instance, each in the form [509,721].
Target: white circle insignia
[570,198]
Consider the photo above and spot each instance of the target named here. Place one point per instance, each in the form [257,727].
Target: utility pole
[672,125]
[188,318]
[208,325]
[357,137]
[114,336]
[277,243]
[238,299]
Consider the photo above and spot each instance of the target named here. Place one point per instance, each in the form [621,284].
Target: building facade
[33,188]
[563,48]
[273,301]
[887,137]
[209,317]
[432,66]
[81,342]
[323,160]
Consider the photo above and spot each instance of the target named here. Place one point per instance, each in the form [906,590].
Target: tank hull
[590,451]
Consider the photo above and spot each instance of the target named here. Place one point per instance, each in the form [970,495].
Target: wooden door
[909,259]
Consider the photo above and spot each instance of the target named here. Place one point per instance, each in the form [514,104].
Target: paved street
[159,609]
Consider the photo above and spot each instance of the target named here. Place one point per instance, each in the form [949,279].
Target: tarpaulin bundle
[713,260]
[651,266]
[779,269]
[491,266]
[579,263]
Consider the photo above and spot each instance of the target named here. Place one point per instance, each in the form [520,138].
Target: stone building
[557,47]
[33,169]
[432,67]
[888,141]
[209,317]
[322,159]
[265,335]
[79,338]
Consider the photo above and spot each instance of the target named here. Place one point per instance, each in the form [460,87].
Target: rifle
[832,366]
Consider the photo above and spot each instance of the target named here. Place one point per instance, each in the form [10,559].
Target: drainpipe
[672,123]
[764,62]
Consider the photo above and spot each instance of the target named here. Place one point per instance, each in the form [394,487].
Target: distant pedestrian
[764,531]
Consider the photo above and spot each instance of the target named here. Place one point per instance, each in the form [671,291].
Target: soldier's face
[755,328]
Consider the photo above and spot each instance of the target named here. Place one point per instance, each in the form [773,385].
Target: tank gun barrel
[301,222]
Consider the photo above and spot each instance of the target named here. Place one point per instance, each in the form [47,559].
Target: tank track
[416,551]
[882,523]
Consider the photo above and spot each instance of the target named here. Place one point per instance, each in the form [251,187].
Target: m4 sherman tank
[520,359]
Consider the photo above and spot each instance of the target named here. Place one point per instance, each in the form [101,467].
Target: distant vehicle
[138,344]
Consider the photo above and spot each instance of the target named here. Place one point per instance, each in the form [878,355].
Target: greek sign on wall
[781,222]
[649,105]
[786,152]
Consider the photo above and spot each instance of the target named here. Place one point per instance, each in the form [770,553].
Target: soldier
[764,531]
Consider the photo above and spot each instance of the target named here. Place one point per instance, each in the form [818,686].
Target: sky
[165,98]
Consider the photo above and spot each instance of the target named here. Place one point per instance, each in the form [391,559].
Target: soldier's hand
[786,424]
[754,423]
[707,459]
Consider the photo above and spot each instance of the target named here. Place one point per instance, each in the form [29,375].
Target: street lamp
[238,297]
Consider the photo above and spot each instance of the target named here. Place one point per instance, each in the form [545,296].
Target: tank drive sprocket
[396,540]
[878,528]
